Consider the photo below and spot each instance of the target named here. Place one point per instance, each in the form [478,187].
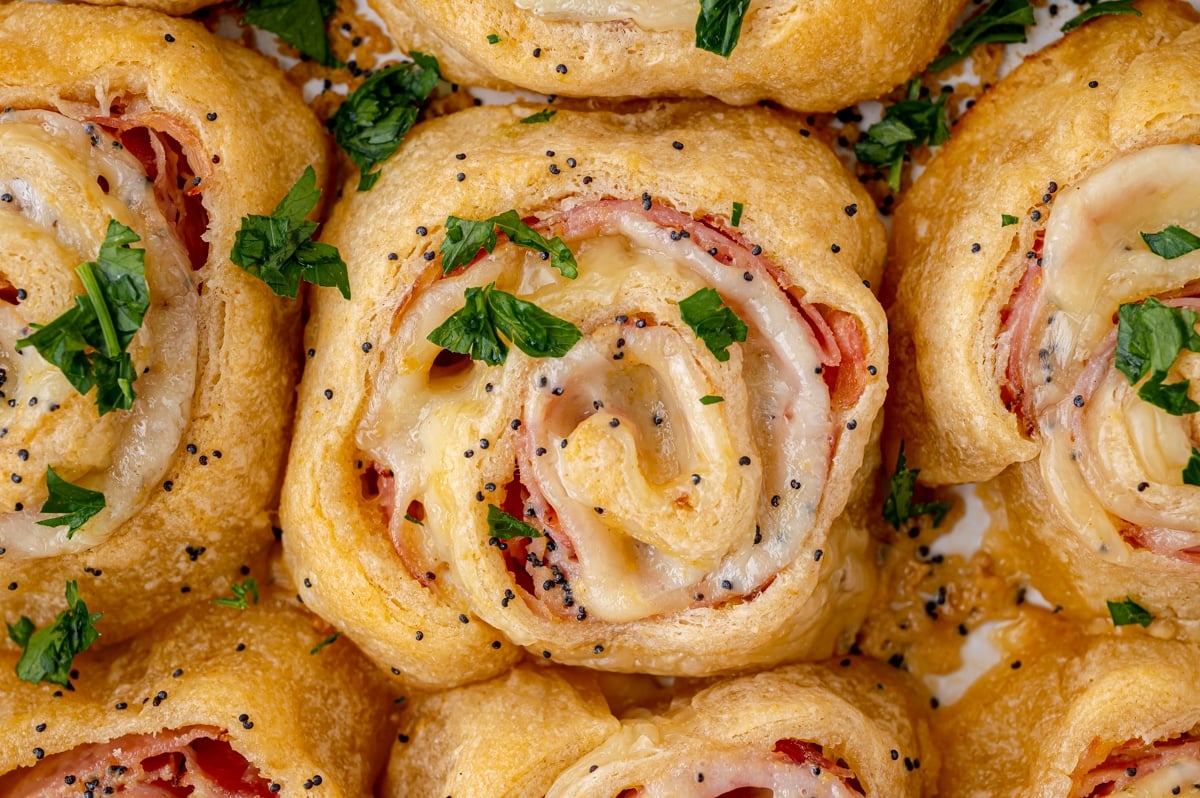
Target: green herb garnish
[493,38]
[49,652]
[711,399]
[1172,242]
[736,218]
[300,23]
[713,323]
[899,507]
[88,342]
[544,115]
[474,329]
[1100,9]
[905,126]
[371,123]
[1150,336]
[1128,612]
[412,520]
[241,590]
[78,504]
[279,250]
[465,237]
[1191,472]
[503,526]
[1003,21]
[327,641]
[1007,219]
[720,25]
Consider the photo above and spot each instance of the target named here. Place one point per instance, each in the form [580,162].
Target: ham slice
[1132,761]
[197,760]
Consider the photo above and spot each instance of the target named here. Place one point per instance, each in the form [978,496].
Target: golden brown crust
[858,711]
[954,267]
[236,113]
[310,714]
[813,56]
[504,165]
[1025,730]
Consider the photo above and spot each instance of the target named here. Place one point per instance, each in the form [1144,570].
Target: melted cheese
[64,190]
[646,14]
[1094,260]
[646,482]
[1179,777]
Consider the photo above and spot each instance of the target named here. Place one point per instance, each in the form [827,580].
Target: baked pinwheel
[146,380]
[836,730]
[1052,314]
[820,55]
[214,701]
[1075,716]
[602,391]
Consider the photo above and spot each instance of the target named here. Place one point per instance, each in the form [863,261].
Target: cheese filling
[655,15]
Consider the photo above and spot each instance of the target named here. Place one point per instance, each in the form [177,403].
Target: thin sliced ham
[1132,761]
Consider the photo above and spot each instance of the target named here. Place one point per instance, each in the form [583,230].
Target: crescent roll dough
[844,729]
[229,702]
[112,131]
[671,500]
[1081,717]
[819,55]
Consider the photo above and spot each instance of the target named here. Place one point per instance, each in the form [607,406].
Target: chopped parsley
[905,126]
[1172,242]
[77,504]
[544,115]
[48,653]
[240,590]
[465,237]
[899,507]
[1007,219]
[1100,9]
[1128,612]
[503,526]
[300,23]
[713,323]
[371,123]
[493,38]
[1191,472]
[279,250]
[736,218]
[1003,21]
[88,342]
[1150,336]
[327,641]
[412,520]
[720,25]
[475,329]
[711,399]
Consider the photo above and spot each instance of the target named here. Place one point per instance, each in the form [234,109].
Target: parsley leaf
[279,250]
[372,121]
[736,218]
[1191,472]
[711,399]
[905,126]
[465,237]
[1100,9]
[544,115]
[1172,242]
[88,342]
[1150,336]
[1007,219]
[1128,612]
[1003,21]
[49,652]
[300,23]
[720,24]
[899,506]
[473,329]
[713,323]
[241,590]
[413,520]
[503,526]
[78,504]
[327,641]
[493,38]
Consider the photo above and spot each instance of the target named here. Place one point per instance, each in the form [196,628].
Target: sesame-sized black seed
[463,618]
[461,176]
[211,116]
[1142,486]
[677,145]
[430,255]
[851,424]
[1093,84]
[1036,215]
[756,250]
[537,52]
[562,444]
[747,276]
[976,247]
[393,256]
[818,554]
[419,635]
[545,655]
[744,460]
[872,370]
[469,453]
[775,500]
[561,69]
[554,169]
[1052,187]
[725,583]
[851,209]
[496,644]
[38,753]
[12,585]
[581,614]
[160,697]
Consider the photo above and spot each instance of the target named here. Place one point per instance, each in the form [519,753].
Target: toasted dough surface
[458,626]
[247,136]
[1102,91]
[812,56]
